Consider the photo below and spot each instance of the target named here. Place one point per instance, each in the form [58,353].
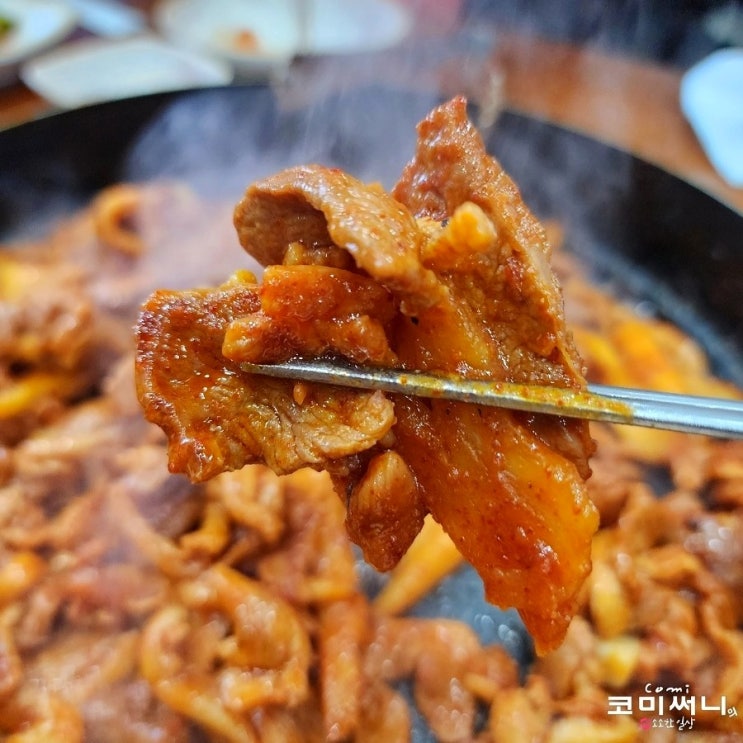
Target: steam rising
[219,144]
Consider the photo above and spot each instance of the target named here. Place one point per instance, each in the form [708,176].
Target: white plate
[257,36]
[95,70]
[37,25]
[711,97]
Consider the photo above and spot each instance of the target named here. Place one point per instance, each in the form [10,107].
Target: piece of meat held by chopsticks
[449,273]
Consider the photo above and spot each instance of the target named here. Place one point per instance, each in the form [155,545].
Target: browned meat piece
[321,206]
[219,418]
[129,713]
[45,313]
[474,296]
[524,306]
[317,310]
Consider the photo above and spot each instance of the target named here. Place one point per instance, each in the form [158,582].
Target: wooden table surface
[626,102]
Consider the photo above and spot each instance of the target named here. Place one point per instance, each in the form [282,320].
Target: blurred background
[661,79]
[680,32]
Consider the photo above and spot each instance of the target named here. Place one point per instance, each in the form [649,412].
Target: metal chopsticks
[671,411]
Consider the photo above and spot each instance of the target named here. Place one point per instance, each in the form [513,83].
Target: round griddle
[651,236]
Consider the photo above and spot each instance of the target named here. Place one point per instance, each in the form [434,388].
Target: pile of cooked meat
[450,272]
